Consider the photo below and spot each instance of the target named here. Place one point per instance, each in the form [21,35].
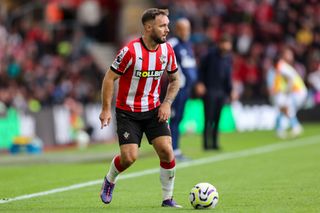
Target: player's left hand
[164,112]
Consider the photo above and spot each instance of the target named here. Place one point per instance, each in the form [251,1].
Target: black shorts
[132,125]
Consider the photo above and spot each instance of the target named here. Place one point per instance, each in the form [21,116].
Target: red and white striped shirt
[141,70]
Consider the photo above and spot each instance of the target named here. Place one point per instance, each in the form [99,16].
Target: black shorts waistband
[138,115]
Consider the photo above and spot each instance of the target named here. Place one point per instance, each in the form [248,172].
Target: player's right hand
[105,118]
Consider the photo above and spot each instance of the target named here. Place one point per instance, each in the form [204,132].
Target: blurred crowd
[259,28]
[44,58]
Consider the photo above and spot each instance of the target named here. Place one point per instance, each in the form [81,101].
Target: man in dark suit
[215,86]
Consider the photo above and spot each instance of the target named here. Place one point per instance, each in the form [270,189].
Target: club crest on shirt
[162,59]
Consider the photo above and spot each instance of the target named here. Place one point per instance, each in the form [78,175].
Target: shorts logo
[156,74]
[126,135]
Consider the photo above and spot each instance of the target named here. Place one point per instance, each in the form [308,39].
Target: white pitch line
[227,156]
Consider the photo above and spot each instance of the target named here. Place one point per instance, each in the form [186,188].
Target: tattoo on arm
[173,88]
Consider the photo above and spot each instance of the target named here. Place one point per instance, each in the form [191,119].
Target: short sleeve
[172,66]
[122,61]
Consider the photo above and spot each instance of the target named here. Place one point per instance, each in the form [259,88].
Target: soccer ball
[203,195]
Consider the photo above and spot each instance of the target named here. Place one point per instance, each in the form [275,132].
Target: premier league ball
[203,195]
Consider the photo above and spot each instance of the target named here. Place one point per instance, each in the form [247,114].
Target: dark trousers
[176,116]
[213,104]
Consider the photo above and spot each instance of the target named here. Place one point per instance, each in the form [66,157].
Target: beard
[158,39]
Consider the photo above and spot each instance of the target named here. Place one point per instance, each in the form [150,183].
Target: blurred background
[54,53]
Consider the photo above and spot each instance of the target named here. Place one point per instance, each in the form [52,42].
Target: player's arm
[173,87]
[106,97]
[172,91]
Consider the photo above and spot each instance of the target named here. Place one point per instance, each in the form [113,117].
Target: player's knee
[127,160]
[166,154]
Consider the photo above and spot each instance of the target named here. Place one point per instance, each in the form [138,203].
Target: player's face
[160,29]
[288,56]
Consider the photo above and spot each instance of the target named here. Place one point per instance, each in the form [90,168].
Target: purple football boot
[106,191]
[170,203]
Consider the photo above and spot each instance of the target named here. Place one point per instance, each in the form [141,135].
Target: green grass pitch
[254,172]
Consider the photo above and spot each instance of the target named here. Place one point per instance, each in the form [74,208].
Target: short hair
[152,13]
